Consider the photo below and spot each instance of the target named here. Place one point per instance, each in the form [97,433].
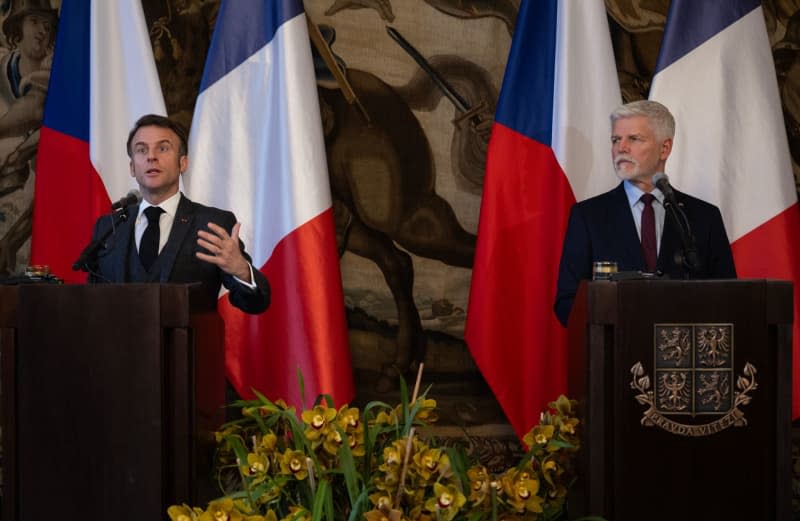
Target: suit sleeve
[249,300]
[576,263]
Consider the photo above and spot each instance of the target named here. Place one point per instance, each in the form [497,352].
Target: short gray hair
[659,116]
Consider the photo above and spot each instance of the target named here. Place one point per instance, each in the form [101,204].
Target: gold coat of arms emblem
[693,379]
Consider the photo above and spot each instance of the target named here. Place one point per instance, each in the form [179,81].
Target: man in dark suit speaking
[630,225]
[167,237]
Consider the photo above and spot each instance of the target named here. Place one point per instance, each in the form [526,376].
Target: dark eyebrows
[157,143]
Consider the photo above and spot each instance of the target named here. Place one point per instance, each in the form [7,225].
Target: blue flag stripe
[692,22]
[526,100]
[67,106]
[244,27]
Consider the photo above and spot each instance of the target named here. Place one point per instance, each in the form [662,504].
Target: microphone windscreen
[660,178]
[134,197]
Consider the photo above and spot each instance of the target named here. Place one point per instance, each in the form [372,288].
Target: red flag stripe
[524,215]
[772,251]
[70,196]
[307,310]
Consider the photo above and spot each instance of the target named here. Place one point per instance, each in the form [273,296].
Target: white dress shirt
[165,220]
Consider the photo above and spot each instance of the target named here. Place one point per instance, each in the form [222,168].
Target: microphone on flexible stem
[689,257]
[661,181]
[133,197]
[119,213]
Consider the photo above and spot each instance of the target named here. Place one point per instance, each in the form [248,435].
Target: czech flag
[103,79]
[550,146]
[257,149]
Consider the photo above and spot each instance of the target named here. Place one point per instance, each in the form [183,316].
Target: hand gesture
[223,250]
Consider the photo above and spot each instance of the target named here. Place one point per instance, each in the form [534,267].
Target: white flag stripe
[727,107]
[584,96]
[293,188]
[124,87]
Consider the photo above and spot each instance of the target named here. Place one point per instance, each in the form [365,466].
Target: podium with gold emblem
[686,395]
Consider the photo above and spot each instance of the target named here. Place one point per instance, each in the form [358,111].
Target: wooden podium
[109,394]
[686,394]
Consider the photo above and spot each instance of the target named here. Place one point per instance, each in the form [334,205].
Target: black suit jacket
[178,261]
[602,229]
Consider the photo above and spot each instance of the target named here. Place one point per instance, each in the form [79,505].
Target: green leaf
[561,444]
[328,400]
[348,467]
[358,506]
[411,414]
[237,444]
[329,512]
[262,489]
[302,385]
[323,488]
[298,432]
[459,464]
[376,403]
[260,422]
[371,433]
[404,397]
[272,420]
[263,399]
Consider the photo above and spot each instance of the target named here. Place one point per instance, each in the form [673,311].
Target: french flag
[715,73]
[257,148]
[103,79]
[550,145]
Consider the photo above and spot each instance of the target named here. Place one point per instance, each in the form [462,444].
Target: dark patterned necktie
[649,232]
[148,247]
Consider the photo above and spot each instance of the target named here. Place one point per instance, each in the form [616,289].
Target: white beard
[626,175]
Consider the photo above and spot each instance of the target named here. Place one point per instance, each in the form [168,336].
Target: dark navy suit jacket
[177,259]
[602,229]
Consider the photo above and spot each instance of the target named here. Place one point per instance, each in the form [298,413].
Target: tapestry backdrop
[406,157]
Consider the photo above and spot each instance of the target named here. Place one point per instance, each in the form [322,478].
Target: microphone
[661,181]
[133,197]
[119,213]
[689,257]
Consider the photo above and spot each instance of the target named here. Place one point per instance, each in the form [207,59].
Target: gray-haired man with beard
[630,225]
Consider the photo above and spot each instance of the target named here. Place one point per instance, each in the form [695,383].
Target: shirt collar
[634,193]
[169,205]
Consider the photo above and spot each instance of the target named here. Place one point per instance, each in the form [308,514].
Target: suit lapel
[183,222]
[119,245]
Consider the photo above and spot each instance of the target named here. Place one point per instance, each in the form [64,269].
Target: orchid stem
[311,480]
[417,383]
[410,439]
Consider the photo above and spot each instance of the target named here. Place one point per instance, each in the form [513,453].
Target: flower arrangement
[347,465]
